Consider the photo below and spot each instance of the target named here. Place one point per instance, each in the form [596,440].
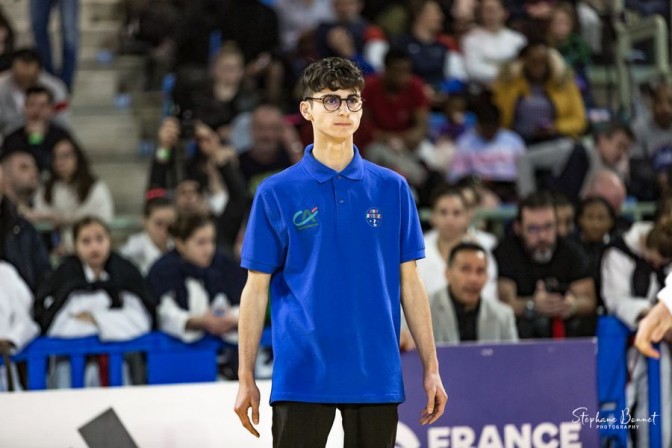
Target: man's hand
[436,399]
[86,317]
[248,397]
[652,329]
[6,346]
[220,324]
[568,306]
[169,133]
[545,303]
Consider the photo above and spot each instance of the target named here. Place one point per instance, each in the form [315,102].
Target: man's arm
[253,302]
[580,300]
[508,293]
[416,309]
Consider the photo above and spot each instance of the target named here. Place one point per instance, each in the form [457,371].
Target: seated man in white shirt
[458,312]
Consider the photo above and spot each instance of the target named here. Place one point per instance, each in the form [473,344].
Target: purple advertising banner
[530,394]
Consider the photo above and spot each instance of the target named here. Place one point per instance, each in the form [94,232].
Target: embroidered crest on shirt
[305,219]
[374,217]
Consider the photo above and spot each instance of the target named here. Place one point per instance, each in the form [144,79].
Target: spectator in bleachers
[268,153]
[146,247]
[351,36]
[40,133]
[21,179]
[298,17]
[608,185]
[531,17]
[564,37]
[17,327]
[538,96]
[473,196]
[450,221]
[568,167]
[565,213]
[652,156]
[490,45]
[221,97]
[196,287]
[488,152]
[542,276]
[71,192]
[459,312]
[6,42]
[20,244]
[93,292]
[596,224]
[433,54]
[211,180]
[396,114]
[26,71]
[633,271]
[40,12]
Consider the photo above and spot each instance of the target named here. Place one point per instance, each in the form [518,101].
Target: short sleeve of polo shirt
[412,241]
[264,245]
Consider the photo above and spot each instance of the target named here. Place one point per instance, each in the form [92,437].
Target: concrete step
[95,87]
[106,132]
[127,181]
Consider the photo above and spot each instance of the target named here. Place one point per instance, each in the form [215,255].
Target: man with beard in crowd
[544,277]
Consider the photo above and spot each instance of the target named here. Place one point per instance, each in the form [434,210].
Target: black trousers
[307,425]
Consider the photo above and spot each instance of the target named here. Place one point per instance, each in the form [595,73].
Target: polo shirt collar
[322,173]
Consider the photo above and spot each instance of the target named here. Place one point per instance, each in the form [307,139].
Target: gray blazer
[496,321]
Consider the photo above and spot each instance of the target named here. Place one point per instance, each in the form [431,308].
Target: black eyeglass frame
[340,101]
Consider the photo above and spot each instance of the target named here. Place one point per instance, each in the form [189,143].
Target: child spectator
[196,288]
[71,192]
[146,247]
[93,292]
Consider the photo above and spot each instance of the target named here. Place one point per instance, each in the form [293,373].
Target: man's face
[188,198]
[398,74]
[431,17]
[337,125]
[25,74]
[38,107]
[538,230]
[267,130]
[565,217]
[21,174]
[467,276]
[614,150]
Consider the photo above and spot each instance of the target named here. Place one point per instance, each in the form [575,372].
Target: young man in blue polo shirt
[334,238]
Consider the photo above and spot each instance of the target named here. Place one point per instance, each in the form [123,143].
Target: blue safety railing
[168,360]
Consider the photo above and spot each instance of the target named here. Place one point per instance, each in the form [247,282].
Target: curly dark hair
[332,73]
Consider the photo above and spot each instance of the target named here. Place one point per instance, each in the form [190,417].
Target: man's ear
[304,107]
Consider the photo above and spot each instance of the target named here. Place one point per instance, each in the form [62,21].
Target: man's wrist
[530,311]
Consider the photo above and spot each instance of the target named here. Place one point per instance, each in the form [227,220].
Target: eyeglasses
[332,103]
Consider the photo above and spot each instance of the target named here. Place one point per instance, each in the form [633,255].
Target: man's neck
[458,300]
[335,155]
[423,34]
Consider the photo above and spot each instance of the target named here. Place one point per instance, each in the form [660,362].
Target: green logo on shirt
[305,219]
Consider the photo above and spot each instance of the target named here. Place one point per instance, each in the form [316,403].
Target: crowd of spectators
[477,104]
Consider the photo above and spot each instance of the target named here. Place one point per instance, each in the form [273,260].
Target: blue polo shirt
[333,242]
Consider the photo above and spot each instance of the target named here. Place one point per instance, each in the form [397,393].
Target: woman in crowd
[93,292]
[538,96]
[71,192]
[450,221]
